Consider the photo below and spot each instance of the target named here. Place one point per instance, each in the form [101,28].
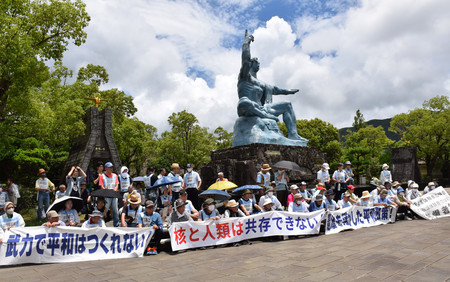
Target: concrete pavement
[417,250]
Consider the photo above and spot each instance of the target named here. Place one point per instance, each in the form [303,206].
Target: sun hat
[399,190]
[266,167]
[298,195]
[384,165]
[294,187]
[365,194]
[178,203]
[431,184]
[303,183]
[384,192]
[134,199]
[41,171]
[7,204]
[52,214]
[232,203]
[247,191]
[348,163]
[267,202]
[396,183]
[208,201]
[273,183]
[269,189]
[326,166]
[175,165]
[415,186]
[96,213]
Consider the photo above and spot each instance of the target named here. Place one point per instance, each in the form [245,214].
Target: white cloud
[388,57]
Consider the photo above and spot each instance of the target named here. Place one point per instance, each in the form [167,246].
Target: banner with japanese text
[68,244]
[185,235]
[356,217]
[432,205]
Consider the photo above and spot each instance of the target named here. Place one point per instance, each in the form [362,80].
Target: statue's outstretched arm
[281,91]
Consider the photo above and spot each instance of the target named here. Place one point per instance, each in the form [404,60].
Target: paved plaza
[417,250]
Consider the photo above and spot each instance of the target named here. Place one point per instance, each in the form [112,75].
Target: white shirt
[274,200]
[323,175]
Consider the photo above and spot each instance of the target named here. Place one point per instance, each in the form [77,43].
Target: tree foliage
[427,129]
[358,120]
[224,139]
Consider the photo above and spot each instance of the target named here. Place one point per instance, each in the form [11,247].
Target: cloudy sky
[380,56]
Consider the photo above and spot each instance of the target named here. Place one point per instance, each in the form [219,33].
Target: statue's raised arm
[246,56]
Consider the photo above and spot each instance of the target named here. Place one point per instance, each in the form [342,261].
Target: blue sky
[380,56]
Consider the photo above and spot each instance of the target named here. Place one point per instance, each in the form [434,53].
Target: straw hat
[41,171]
[175,165]
[266,167]
[232,203]
[267,202]
[134,199]
[365,195]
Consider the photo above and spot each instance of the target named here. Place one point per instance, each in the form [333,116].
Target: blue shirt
[379,200]
[314,207]
[150,220]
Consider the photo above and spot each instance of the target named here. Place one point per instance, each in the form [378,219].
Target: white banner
[67,244]
[193,234]
[434,204]
[356,217]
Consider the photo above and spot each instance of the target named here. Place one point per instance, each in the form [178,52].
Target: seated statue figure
[258,115]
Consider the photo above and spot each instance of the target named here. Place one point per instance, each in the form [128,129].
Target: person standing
[125,183]
[323,176]
[73,181]
[176,187]
[220,177]
[263,176]
[349,171]
[385,175]
[97,175]
[192,183]
[109,180]
[13,193]
[340,178]
[3,198]
[151,193]
[282,180]
[43,186]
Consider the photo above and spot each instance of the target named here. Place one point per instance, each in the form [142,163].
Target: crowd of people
[159,206]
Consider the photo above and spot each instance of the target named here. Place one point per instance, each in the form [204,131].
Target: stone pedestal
[240,164]
[404,165]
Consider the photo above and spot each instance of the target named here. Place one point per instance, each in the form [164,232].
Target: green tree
[224,139]
[427,129]
[320,134]
[358,121]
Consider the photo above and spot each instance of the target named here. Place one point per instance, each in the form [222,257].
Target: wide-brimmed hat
[208,201]
[179,202]
[365,194]
[269,189]
[52,214]
[232,204]
[384,192]
[298,195]
[266,167]
[399,190]
[41,171]
[326,166]
[175,165]
[96,213]
[267,202]
[396,183]
[348,163]
[134,199]
[294,187]
[384,166]
[247,191]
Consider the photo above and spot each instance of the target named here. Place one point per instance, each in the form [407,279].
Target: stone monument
[258,114]
[404,165]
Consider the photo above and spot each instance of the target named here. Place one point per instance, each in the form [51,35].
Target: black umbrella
[106,193]
[287,165]
[60,204]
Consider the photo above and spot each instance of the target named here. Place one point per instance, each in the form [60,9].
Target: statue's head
[254,64]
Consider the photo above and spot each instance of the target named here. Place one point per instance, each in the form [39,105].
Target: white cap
[267,201]
[431,184]
[325,166]
[293,186]
[303,183]
[415,186]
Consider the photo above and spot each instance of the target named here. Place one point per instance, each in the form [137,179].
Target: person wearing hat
[110,180]
[131,211]
[247,204]
[190,209]
[320,189]
[269,195]
[385,175]
[375,192]
[53,219]
[305,193]
[348,170]
[298,205]
[383,200]
[179,213]
[191,184]
[345,201]
[95,220]
[267,205]
[340,179]
[317,204]
[394,187]
[43,185]
[294,190]
[365,200]
[209,211]
[176,187]
[430,187]
[10,219]
[331,204]
[233,210]
[73,181]
[125,181]
[263,176]
[323,176]
[69,215]
[127,195]
[220,177]
[413,193]
[351,190]
[149,218]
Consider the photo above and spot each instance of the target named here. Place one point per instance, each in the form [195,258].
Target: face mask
[432,187]
[10,211]
[43,175]
[124,175]
[211,208]
[299,202]
[189,169]
[270,194]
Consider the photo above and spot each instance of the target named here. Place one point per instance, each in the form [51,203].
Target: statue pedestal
[249,130]
[241,164]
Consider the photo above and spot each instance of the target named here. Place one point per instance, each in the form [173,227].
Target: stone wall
[240,164]
[404,164]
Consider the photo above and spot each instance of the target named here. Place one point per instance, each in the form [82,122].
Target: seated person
[365,201]
[53,220]
[61,192]
[189,208]
[69,215]
[318,204]
[10,219]
[404,205]
[351,190]
[100,206]
[375,192]
[268,205]
[149,218]
[269,195]
[294,190]
[383,200]
[413,193]
[233,210]
[345,201]
[247,204]
[165,204]
[95,220]
[331,204]
[298,205]
[179,213]
[305,193]
[430,187]
[209,211]
[128,194]
[130,212]
[320,190]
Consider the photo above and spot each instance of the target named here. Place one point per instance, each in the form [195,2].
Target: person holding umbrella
[43,185]
[95,220]
[110,181]
[248,205]
[69,215]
